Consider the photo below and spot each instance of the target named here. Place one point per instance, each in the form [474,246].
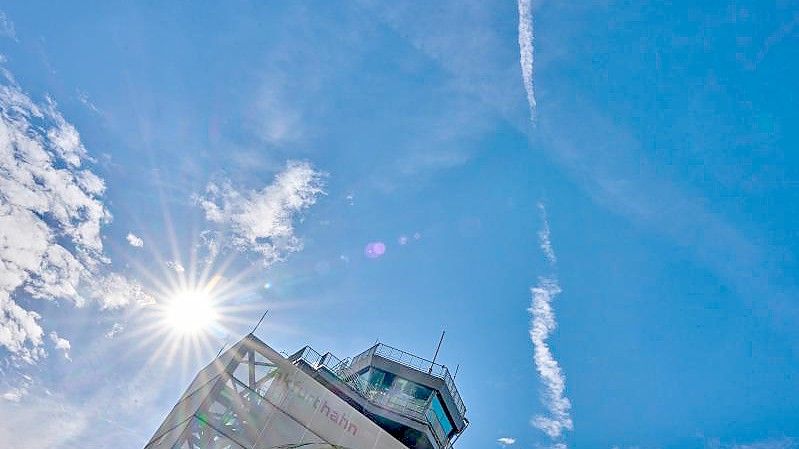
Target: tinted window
[412,389]
[441,415]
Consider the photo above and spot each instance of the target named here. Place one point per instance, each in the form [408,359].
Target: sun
[190,312]
[194,310]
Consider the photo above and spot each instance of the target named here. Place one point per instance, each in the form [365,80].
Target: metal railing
[418,363]
[420,410]
[308,354]
[340,368]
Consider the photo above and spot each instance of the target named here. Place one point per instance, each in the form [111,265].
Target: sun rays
[207,288]
[197,307]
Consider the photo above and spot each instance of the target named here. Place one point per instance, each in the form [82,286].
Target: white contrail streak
[542,325]
[543,237]
[526,52]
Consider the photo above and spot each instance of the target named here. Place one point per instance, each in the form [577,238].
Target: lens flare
[374,250]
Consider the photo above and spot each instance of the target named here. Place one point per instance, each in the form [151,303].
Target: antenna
[224,343]
[252,332]
[456,371]
[435,356]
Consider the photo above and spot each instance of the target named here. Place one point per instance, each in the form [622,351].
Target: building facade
[252,397]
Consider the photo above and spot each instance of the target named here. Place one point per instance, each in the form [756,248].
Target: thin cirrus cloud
[552,378]
[44,422]
[175,266]
[62,344]
[14,394]
[7,28]
[771,443]
[603,157]
[526,51]
[115,330]
[51,216]
[557,419]
[262,221]
[543,237]
[134,240]
[506,441]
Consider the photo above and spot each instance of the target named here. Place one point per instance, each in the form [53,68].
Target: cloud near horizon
[42,422]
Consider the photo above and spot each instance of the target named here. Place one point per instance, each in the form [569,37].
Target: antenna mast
[224,343]
[435,356]
[252,332]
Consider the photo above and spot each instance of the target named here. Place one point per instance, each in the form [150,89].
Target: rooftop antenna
[456,371]
[224,343]
[252,332]
[435,356]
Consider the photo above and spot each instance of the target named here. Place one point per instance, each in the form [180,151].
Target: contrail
[526,52]
[542,325]
[543,237]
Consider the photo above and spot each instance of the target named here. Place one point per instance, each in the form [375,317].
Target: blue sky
[153,147]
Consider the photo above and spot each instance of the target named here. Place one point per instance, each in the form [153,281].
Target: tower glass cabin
[251,397]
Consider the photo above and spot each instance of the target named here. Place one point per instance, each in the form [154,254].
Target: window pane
[441,415]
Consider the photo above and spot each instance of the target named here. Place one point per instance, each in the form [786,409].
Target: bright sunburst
[199,303]
[190,312]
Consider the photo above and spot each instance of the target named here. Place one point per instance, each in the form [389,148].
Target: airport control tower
[251,397]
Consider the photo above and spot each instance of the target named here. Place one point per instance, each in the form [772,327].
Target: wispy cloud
[558,406]
[526,51]
[114,290]
[7,27]
[115,330]
[543,324]
[83,97]
[506,441]
[135,240]
[602,154]
[62,344]
[14,394]
[543,237]
[42,422]
[782,443]
[51,216]
[262,221]
[61,413]
[175,266]
[275,119]
[772,443]
[15,388]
